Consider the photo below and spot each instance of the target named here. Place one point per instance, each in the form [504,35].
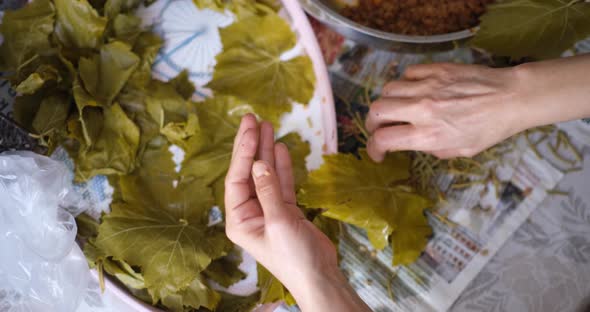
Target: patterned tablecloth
[545,265]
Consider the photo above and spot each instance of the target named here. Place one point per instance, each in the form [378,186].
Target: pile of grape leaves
[82,70]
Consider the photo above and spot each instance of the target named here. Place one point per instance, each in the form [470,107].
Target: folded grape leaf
[146,47]
[78,24]
[160,225]
[252,67]
[366,194]
[37,79]
[241,8]
[114,149]
[196,295]
[113,7]
[534,28]
[124,273]
[105,74]
[26,33]
[225,271]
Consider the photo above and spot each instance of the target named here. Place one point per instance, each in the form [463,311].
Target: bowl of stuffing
[401,25]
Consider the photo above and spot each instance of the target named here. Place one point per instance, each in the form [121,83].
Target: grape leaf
[78,24]
[299,150]
[52,114]
[114,149]
[208,154]
[369,195]
[196,295]
[534,28]
[411,235]
[271,289]
[160,224]
[124,273]
[126,28]
[225,271]
[26,33]
[43,74]
[105,74]
[250,66]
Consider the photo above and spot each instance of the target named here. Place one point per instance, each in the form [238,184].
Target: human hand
[262,217]
[447,110]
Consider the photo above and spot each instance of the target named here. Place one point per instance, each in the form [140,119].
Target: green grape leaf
[114,148]
[113,7]
[366,194]
[196,295]
[233,303]
[160,225]
[271,289]
[299,150]
[25,109]
[124,273]
[411,235]
[534,28]
[105,74]
[146,47]
[250,66]
[78,24]
[328,226]
[126,28]
[26,33]
[224,271]
[36,80]
[208,154]
[241,8]
[52,114]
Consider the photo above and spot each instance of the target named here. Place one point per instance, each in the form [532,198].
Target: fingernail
[259,169]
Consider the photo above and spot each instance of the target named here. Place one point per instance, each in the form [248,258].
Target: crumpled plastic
[41,266]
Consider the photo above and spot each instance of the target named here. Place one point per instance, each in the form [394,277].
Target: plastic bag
[41,266]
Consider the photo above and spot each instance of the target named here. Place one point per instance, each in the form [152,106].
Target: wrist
[327,290]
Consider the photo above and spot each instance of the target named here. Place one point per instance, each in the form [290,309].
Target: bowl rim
[339,20]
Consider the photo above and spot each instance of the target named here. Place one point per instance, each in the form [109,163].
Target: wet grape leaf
[37,79]
[225,271]
[208,154]
[25,109]
[104,74]
[299,150]
[196,295]
[533,28]
[78,24]
[126,28]
[26,33]
[366,194]
[251,66]
[124,273]
[271,289]
[52,114]
[114,149]
[113,7]
[411,235]
[160,225]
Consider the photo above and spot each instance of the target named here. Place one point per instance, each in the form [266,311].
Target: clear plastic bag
[41,266]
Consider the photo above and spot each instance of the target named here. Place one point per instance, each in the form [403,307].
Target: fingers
[268,191]
[267,143]
[407,88]
[386,111]
[248,122]
[237,190]
[396,138]
[285,173]
[421,71]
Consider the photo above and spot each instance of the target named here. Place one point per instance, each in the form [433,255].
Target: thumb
[268,191]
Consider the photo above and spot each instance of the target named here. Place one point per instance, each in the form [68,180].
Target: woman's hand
[262,217]
[452,110]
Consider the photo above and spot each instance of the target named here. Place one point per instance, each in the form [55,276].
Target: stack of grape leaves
[83,74]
